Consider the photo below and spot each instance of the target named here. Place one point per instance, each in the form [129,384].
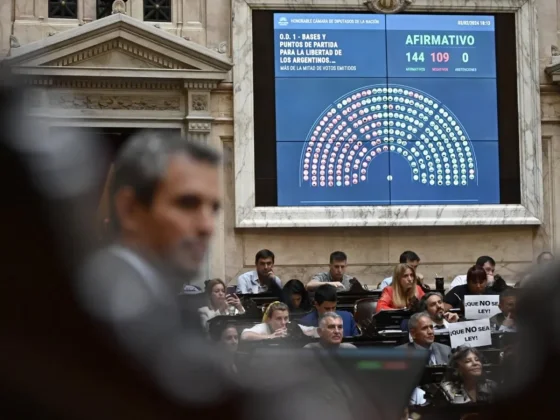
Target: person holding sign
[477,281]
[505,321]
[403,292]
[465,380]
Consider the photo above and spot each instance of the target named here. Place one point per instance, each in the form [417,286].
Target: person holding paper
[477,282]
[403,292]
[505,321]
[465,380]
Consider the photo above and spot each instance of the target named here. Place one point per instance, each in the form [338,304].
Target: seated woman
[227,337]
[296,296]
[465,380]
[218,302]
[403,292]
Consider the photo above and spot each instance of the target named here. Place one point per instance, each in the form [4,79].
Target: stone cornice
[208,79]
[130,48]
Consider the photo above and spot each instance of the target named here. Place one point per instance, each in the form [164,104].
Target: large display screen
[385,110]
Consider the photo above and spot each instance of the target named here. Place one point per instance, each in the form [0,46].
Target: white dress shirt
[249,283]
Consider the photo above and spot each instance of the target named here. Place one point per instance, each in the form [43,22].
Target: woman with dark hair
[226,336]
[218,302]
[477,282]
[296,297]
[465,380]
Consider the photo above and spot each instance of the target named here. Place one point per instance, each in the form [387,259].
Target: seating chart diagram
[428,135]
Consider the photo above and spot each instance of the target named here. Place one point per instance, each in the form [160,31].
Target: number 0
[465,57]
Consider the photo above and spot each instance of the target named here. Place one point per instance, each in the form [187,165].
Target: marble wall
[445,250]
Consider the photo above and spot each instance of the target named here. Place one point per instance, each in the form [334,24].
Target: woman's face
[407,280]
[470,366]
[296,300]
[218,295]
[230,339]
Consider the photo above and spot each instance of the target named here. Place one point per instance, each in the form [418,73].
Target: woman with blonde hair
[403,292]
[218,302]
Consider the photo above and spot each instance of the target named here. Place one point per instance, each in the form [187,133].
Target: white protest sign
[481,306]
[470,333]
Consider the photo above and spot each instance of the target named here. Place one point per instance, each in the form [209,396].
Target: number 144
[437,57]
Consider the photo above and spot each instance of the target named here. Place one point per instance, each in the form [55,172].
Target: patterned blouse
[455,393]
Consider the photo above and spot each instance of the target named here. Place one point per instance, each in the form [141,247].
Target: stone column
[198,124]
[198,119]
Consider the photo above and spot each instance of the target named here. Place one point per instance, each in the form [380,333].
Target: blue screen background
[383,122]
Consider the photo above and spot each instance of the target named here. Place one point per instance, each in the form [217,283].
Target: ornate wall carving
[104,84]
[199,102]
[158,60]
[114,102]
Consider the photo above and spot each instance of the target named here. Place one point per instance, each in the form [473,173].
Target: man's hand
[280,333]
[233,300]
[271,274]
[337,284]
[490,279]
[509,322]
[451,317]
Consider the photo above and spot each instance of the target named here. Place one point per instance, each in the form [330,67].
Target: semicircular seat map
[374,110]
[367,122]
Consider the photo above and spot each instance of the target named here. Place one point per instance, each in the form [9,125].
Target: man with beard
[164,197]
[432,304]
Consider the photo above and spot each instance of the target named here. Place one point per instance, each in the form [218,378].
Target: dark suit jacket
[441,352]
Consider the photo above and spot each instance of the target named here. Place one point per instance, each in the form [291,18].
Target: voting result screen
[385,110]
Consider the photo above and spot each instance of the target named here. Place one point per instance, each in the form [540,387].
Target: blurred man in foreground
[164,198]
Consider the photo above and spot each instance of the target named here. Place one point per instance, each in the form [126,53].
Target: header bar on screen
[328,21]
[440,23]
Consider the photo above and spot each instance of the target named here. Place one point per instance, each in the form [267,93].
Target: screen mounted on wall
[385,110]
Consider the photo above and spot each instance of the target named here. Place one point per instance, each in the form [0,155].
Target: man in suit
[165,197]
[422,331]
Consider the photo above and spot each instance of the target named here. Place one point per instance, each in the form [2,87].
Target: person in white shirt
[218,302]
[432,303]
[262,279]
[487,263]
[274,325]
[409,258]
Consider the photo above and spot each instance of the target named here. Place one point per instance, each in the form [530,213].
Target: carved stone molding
[113,102]
[158,60]
[200,84]
[199,102]
[387,6]
[104,84]
[199,126]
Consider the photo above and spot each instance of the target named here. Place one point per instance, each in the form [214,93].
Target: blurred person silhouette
[226,336]
[545,258]
[56,362]
[164,197]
